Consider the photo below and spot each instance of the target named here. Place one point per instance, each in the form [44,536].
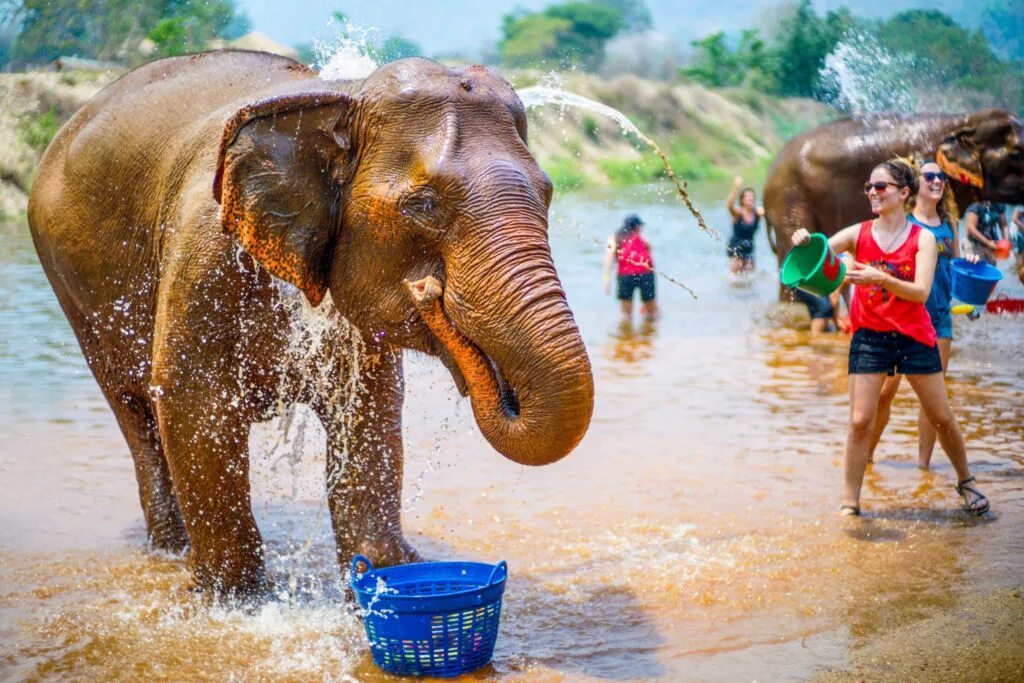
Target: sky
[469,27]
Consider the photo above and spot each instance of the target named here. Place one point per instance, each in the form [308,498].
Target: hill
[707,134]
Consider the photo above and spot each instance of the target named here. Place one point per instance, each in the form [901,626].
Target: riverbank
[707,134]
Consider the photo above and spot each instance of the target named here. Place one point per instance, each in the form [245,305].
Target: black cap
[632,220]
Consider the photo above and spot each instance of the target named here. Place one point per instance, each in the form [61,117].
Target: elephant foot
[233,579]
[169,537]
[383,552]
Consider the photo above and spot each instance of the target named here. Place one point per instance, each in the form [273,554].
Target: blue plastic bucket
[973,283]
[431,618]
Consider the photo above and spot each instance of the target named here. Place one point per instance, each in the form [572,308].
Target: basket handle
[503,566]
[365,560]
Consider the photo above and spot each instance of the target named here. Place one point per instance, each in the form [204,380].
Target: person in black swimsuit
[746,217]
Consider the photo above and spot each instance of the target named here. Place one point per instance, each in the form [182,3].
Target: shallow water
[693,534]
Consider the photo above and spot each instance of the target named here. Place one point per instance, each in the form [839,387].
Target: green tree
[713,64]
[112,29]
[804,40]
[570,34]
[634,14]
[1003,23]
[395,47]
[959,57]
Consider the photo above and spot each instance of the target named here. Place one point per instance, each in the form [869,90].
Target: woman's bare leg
[649,310]
[735,265]
[931,391]
[925,431]
[885,399]
[864,393]
[626,306]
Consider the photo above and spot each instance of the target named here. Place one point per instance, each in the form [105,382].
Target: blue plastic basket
[973,282]
[431,618]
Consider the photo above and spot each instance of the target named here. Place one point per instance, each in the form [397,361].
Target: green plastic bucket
[813,267]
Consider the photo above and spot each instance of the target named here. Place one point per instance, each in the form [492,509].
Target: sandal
[849,510]
[975,501]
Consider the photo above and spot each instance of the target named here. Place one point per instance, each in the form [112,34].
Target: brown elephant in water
[816,181]
[162,209]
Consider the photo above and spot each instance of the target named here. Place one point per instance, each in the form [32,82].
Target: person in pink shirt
[628,248]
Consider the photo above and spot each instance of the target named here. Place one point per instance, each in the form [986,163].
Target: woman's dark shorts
[739,248]
[643,282]
[891,352]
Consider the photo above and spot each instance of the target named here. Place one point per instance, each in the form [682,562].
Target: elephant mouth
[475,373]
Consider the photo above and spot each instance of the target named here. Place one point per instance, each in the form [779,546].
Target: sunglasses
[932,177]
[879,187]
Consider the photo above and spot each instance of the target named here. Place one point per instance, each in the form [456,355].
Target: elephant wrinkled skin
[816,180]
[161,210]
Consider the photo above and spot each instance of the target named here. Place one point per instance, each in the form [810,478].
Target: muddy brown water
[693,535]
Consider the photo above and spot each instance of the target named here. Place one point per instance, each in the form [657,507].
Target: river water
[693,534]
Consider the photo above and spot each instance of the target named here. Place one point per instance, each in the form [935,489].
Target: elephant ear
[277,186]
[958,158]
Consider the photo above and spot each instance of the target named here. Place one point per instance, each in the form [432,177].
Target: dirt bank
[33,106]
[707,134]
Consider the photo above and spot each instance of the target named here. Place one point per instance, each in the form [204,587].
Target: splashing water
[538,95]
[346,56]
[862,77]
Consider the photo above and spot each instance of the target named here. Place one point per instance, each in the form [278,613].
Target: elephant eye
[420,206]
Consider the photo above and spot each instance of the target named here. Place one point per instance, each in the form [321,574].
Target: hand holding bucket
[813,267]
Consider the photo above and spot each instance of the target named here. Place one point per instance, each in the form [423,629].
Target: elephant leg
[164,525]
[205,439]
[364,467]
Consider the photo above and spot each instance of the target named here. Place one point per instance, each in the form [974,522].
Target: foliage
[1004,25]
[961,57]
[634,14]
[113,29]
[803,42]
[810,55]
[38,131]
[572,34]
[394,48]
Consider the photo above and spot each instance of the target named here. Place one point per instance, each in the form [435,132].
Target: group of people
[900,314]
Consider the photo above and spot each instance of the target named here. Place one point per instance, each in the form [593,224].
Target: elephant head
[422,173]
[988,153]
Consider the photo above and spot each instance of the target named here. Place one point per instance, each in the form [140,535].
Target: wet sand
[693,535]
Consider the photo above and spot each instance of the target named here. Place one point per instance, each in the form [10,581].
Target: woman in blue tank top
[935,210]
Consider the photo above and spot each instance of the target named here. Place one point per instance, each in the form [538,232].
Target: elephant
[181,213]
[815,181]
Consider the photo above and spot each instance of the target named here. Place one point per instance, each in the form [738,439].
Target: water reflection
[632,342]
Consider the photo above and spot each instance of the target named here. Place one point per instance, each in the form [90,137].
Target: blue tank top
[942,286]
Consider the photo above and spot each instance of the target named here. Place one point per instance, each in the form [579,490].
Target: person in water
[893,267]
[632,252]
[986,225]
[745,219]
[935,210]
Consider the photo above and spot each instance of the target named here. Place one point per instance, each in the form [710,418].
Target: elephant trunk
[532,397]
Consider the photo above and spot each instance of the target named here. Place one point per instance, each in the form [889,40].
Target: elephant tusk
[485,393]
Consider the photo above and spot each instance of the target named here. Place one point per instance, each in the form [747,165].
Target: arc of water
[538,95]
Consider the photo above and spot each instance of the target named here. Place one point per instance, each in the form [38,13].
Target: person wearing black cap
[632,252]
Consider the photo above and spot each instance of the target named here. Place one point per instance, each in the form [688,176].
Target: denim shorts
[891,353]
[629,283]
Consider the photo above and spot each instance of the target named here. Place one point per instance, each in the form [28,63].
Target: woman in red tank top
[893,265]
[628,248]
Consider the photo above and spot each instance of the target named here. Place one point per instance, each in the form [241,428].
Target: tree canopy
[113,29]
[568,35]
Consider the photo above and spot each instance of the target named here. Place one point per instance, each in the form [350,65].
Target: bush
[38,131]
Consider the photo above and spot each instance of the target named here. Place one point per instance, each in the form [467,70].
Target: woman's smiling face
[931,189]
[885,194]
